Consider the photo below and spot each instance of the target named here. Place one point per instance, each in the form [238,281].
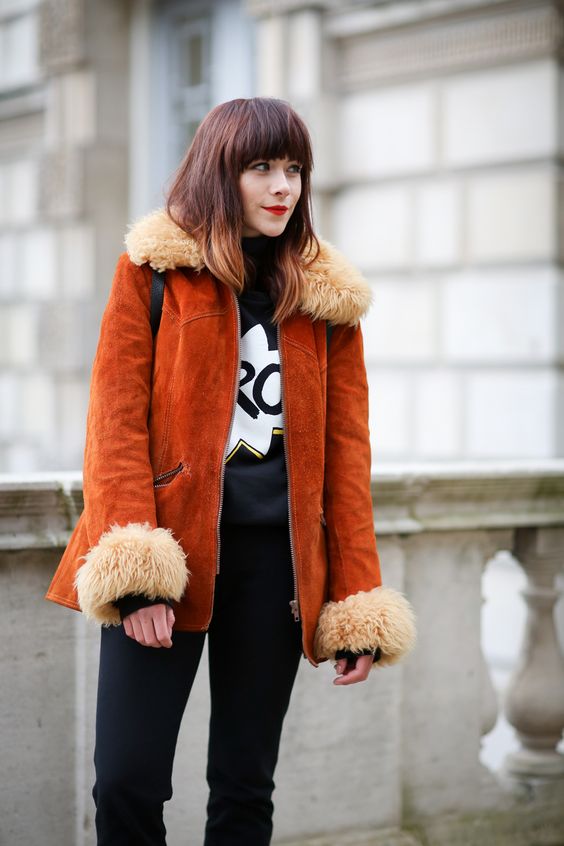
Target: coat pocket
[164,479]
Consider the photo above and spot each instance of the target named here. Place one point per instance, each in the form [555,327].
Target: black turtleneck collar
[257,246]
[257,249]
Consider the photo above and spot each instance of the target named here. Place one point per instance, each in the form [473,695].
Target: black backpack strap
[157,296]
[329,327]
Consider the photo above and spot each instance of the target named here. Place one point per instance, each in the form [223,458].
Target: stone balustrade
[394,761]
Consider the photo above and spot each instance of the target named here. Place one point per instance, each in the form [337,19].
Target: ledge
[40,510]
[410,498]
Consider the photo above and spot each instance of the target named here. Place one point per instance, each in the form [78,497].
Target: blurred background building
[438,132]
[437,129]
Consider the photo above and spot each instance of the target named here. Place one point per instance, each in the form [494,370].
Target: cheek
[246,191]
[250,198]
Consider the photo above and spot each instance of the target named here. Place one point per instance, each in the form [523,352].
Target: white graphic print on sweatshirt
[258,414]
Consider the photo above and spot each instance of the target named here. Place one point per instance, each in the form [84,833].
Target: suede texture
[157,425]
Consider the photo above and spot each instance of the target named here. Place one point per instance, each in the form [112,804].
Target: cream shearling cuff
[379,617]
[131,559]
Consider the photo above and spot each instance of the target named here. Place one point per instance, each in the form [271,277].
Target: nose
[279,183]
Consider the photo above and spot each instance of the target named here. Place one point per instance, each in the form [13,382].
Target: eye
[260,164]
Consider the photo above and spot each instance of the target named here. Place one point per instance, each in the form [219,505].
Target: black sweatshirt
[256,488]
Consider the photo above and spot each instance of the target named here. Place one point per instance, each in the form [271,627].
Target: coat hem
[61,600]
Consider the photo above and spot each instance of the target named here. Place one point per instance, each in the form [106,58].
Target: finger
[137,628]
[341,666]
[170,619]
[161,626]
[149,630]
[128,627]
[352,676]
[356,674]
[365,664]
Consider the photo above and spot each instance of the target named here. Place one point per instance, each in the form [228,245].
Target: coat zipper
[235,395]
[294,603]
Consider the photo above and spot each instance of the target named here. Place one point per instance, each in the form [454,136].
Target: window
[187,55]
[188,75]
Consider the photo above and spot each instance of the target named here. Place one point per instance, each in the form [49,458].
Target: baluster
[489,696]
[534,699]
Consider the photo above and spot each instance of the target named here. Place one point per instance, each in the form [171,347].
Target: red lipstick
[276,209]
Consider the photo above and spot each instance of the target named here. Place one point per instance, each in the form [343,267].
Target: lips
[276,209]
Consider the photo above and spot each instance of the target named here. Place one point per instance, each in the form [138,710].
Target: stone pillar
[295,62]
[271,36]
[534,700]
[64,138]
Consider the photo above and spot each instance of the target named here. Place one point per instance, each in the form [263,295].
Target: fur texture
[131,559]
[335,289]
[379,617]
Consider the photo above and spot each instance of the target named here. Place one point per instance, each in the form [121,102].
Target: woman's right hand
[151,626]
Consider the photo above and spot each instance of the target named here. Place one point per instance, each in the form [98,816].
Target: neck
[255,243]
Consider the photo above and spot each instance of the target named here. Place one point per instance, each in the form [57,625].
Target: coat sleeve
[361,614]
[129,553]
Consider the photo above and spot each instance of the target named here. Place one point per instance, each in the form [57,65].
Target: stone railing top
[435,496]
[41,509]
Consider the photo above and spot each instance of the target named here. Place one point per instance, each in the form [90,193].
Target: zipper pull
[294,609]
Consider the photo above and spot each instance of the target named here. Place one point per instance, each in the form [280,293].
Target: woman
[226,480]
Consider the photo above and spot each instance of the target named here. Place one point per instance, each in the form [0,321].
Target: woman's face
[264,184]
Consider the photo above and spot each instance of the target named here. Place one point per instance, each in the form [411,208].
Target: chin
[271,228]
[272,231]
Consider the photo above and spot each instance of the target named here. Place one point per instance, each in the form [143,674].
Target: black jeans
[254,649]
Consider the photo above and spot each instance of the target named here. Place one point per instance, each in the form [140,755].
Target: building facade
[437,136]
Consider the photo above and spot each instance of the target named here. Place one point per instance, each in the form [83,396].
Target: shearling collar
[336,291]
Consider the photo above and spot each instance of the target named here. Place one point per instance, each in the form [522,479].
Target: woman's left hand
[347,674]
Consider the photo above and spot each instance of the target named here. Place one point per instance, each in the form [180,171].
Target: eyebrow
[266,159]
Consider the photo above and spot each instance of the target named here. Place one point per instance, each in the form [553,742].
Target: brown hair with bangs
[205,201]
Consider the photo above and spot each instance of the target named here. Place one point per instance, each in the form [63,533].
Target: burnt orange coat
[157,430]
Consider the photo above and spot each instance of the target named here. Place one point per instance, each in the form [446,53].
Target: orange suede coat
[158,425]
